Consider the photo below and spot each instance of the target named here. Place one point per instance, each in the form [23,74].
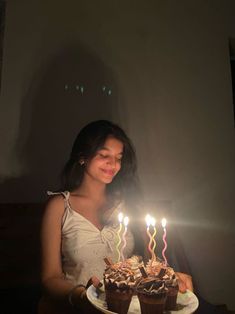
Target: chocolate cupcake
[120,281]
[158,269]
[152,294]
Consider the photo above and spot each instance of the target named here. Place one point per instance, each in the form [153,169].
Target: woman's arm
[53,282]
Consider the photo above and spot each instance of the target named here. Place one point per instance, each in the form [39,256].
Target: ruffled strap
[64,193]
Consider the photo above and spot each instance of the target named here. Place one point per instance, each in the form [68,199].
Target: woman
[79,226]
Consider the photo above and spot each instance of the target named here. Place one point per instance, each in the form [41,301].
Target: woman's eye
[103,155]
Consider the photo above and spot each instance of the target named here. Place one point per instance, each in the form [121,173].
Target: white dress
[84,246]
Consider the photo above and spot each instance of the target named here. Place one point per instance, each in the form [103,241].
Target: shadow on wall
[74,88]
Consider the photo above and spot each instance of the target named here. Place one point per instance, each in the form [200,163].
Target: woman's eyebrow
[108,149]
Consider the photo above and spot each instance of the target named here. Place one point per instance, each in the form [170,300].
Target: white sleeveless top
[84,246]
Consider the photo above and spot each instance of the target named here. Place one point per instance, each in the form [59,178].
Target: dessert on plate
[120,280]
[155,284]
[152,294]
[157,268]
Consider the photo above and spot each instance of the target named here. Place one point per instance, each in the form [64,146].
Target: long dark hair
[89,140]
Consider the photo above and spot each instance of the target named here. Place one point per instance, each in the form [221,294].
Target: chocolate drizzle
[123,275]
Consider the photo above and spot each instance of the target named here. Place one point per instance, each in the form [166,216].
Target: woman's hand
[84,303]
[185,282]
[93,281]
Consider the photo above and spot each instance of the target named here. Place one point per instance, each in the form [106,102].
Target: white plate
[187,302]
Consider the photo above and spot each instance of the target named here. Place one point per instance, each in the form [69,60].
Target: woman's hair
[89,140]
[125,185]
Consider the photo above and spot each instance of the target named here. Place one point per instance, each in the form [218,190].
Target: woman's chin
[108,180]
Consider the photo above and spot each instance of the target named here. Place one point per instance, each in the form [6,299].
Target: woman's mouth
[110,173]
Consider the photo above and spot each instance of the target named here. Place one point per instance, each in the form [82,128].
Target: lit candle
[148,223]
[164,240]
[120,218]
[125,221]
[153,222]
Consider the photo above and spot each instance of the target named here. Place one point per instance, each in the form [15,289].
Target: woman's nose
[112,161]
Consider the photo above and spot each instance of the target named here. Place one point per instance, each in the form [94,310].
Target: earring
[81,162]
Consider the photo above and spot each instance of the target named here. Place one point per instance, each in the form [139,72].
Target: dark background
[162,71]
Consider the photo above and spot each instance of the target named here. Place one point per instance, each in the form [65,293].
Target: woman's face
[107,162]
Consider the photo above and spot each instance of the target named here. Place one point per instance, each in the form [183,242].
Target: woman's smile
[108,172]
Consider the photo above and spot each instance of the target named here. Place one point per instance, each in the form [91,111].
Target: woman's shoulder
[55,202]
[53,212]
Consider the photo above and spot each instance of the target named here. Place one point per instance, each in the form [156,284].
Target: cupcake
[118,300]
[173,288]
[120,281]
[157,269]
[152,293]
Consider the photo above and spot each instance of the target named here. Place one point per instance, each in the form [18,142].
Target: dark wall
[71,89]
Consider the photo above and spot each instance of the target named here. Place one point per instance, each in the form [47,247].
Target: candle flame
[163,222]
[148,220]
[152,221]
[120,217]
[126,221]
